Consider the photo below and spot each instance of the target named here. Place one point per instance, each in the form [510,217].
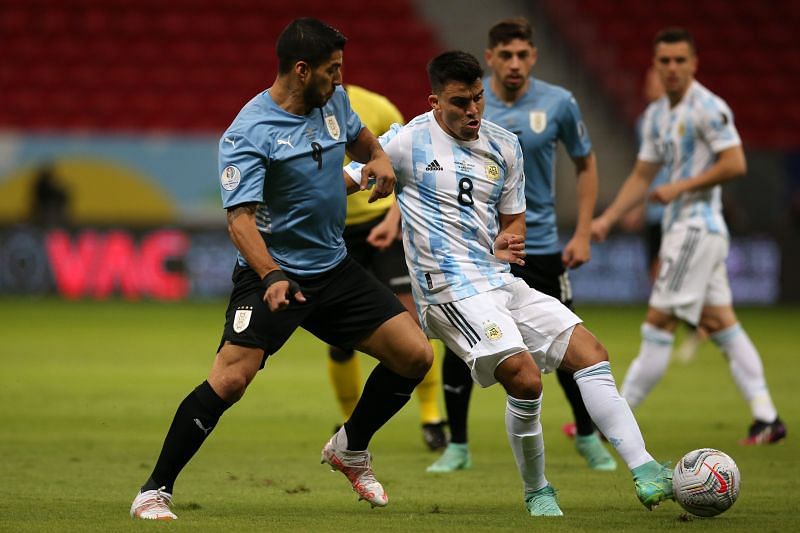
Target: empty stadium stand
[184,65]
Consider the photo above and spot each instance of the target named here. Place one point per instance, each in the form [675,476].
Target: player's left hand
[666,193]
[576,252]
[381,172]
[383,234]
[510,247]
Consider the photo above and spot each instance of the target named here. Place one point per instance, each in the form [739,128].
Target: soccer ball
[705,482]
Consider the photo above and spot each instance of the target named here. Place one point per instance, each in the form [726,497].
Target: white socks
[525,436]
[747,370]
[611,413]
[649,366]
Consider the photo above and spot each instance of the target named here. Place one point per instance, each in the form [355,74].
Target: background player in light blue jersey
[281,181]
[541,115]
[461,193]
[690,131]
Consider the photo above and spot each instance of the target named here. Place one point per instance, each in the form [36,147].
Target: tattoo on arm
[246,209]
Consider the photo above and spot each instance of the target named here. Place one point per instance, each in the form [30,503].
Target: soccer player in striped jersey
[371,235]
[541,115]
[461,193]
[690,131]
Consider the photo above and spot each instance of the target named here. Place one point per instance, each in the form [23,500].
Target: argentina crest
[492,171]
[242,318]
[333,126]
[492,331]
[538,121]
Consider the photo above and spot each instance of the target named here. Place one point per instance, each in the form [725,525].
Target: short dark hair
[307,39]
[507,30]
[454,65]
[675,35]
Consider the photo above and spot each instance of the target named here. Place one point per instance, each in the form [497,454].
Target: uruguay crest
[538,121]
[242,319]
[333,126]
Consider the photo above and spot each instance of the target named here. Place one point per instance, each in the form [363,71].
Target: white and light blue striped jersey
[450,194]
[543,116]
[653,211]
[291,166]
[686,140]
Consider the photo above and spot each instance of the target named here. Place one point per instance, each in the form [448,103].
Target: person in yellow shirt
[371,235]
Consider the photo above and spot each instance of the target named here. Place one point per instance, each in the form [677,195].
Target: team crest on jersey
[242,319]
[492,331]
[538,121]
[230,178]
[333,126]
[681,129]
[492,171]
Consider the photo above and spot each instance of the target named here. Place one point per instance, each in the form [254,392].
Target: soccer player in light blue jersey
[461,195]
[542,116]
[281,182]
[690,131]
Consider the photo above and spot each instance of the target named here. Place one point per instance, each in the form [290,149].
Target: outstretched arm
[578,250]
[632,192]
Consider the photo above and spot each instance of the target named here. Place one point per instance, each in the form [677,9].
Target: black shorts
[343,306]
[389,265]
[546,273]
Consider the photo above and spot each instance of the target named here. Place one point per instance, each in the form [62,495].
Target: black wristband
[276,276]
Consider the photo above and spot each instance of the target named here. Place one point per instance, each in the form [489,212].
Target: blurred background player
[51,199]
[372,235]
[541,115]
[647,218]
[690,131]
[461,193]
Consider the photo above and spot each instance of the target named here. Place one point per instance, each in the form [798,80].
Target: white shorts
[487,328]
[692,273]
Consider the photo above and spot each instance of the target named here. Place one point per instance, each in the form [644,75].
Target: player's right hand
[510,247]
[379,171]
[279,289]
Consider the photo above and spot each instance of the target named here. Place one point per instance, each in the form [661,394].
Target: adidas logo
[433,165]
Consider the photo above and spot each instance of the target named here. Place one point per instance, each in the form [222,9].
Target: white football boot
[357,467]
[153,505]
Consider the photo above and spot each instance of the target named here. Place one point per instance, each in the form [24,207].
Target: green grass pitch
[87,391]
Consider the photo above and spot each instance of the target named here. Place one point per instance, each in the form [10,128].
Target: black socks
[385,393]
[457,384]
[196,416]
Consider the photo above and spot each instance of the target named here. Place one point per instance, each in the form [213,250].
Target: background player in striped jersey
[541,115]
[647,217]
[371,234]
[461,193]
[690,131]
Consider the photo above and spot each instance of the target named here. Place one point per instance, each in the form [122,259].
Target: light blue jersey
[686,139]
[544,115]
[451,193]
[291,166]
